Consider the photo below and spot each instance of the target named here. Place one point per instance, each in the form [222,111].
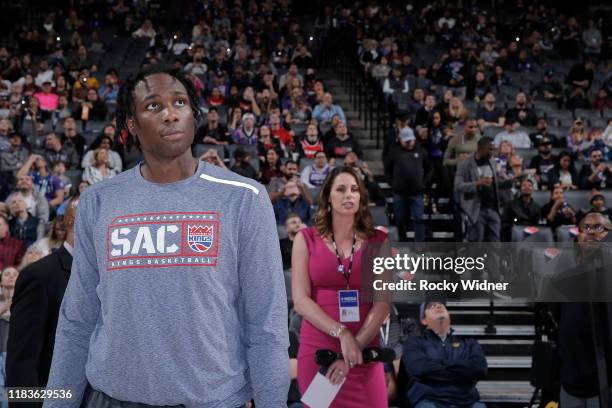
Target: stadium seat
[304,162]
[251,150]
[542,234]
[282,233]
[565,233]
[578,199]
[199,149]
[74,176]
[541,197]
[379,215]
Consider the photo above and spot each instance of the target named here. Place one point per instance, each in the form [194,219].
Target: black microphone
[371,354]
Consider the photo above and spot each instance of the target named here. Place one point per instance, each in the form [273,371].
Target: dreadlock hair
[125,101]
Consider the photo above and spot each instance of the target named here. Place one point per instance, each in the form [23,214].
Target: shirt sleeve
[263,303]
[78,313]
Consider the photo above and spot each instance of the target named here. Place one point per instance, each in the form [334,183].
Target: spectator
[436,144]
[541,132]
[11,249]
[14,157]
[271,166]
[99,169]
[59,170]
[46,183]
[325,110]
[544,161]
[71,137]
[396,83]
[109,91]
[521,112]
[596,174]
[523,210]
[36,203]
[54,239]
[557,211]
[104,142]
[488,114]
[342,143]
[579,81]
[63,108]
[408,171]
[421,81]
[82,86]
[246,134]
[80,61]
[23,225]
[549,89]
[146,31]
[8,277]
[424,114]
[279,132]
[460,147]
[314,175]
[293,224]
[311,144]
[597,202]
[477,183]
[211,156]
[289,172]
[442,376]
[518,138]
[499,77]
[563,174]
[488,55]
[291,202]
[478,87]
[455,68]
[576,344]
[381,70]
[92,109]
[266,141]
[242,164]
[48,100]
[44,73]
[592,40]
[602,100]
[456,113]
[576,141]
[213,132]
[56,152]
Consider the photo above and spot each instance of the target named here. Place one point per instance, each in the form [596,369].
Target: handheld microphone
[371,354]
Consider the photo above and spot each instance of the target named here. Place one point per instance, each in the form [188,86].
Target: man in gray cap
[408,171]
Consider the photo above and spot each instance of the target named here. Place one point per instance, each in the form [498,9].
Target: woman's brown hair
[364,225]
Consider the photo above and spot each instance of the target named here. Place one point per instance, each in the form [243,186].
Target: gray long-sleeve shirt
[176,294]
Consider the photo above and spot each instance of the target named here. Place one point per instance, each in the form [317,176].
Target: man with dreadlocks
[177,295]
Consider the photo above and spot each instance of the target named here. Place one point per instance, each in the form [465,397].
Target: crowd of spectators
[539,84]
[536,80]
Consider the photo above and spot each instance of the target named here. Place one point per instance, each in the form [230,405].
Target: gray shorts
[97,399]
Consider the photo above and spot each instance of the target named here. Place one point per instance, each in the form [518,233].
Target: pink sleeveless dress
[365,384]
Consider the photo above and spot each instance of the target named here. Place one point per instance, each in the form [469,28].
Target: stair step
[505,391]
[474,330]
[509,361]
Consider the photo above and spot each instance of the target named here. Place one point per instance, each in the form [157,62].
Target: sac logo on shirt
[168,239]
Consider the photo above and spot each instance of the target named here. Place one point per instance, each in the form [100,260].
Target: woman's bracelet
[336,331]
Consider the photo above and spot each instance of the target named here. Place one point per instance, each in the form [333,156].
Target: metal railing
[366,99]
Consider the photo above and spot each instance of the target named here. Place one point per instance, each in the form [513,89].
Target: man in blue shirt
[445,367]
[324,111]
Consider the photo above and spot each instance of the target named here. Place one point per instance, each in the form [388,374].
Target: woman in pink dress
[326,265]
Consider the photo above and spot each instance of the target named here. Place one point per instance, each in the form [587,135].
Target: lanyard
[384,336]
[347,274]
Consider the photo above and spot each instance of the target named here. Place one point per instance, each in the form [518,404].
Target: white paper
[321,392]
